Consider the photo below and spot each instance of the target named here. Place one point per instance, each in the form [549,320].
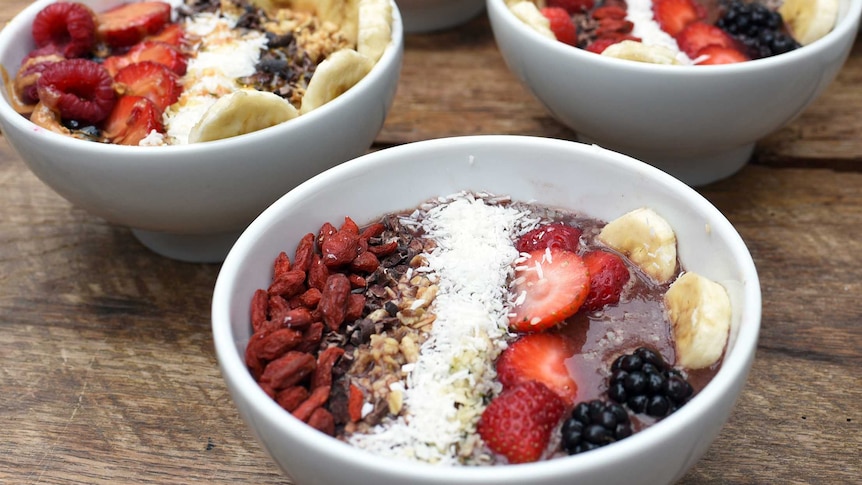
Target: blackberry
[758,28]
[644,383]
[594,424]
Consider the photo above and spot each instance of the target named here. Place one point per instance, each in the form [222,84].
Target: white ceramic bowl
[699,123]
[585,178]
[191,202]
[422,16]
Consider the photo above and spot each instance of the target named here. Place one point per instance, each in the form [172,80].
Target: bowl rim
[390,59]
[845,27]
[240,381]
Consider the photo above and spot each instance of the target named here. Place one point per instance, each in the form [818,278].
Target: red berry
[31,70]
[608,275]
[552,235]
[129,23]
[518,423]
[69,26]
[549,287]
[697,35]
[609,12]
[151,80]
[78,89]
[148,50]
[561,25]
[539,357]
[674,15]
[716,54]
[172,34]
[132,119]
[572,6]
[602,43]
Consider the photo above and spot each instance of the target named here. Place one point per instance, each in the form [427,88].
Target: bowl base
[191,248]
[695,169]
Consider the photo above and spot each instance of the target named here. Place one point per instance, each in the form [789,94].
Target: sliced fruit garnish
[809,20]
[69,26]
[149,50]
[374,30]
[699,310]
[172,34]
[518,423]
[608,276]
[716,54]
[646,239]
[78,89]
[539,357]
[334,76]
[150,80]
[697,35]
[550,285]
[640,52]
[129,23]
[561,25]
[572,6]
[674,15]
[241,112]
[132,119]
[552,235]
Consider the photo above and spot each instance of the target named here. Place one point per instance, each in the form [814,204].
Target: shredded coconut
[640,13]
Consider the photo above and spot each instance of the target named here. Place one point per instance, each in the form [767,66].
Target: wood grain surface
[107,368]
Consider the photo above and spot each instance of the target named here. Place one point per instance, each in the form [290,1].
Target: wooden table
[107,367]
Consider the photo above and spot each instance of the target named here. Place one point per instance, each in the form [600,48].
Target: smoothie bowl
[689,86]
[490,309]
[183,121]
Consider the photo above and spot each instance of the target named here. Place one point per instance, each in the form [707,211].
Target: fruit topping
[809,20]
[716,54]
[151,80]
[674,15]
[572,6]
[699,310]
[646,239]
[149,50]
[697,35]
[69,27]
[640,52]
[594,424]
[550,285]
[242,112]
[31,69]
[129,23]
[561,25]
[539,357]
[608,275]
[644,383]
[132,119]
[756,27]
[78,89]
[554,235]
[517,424]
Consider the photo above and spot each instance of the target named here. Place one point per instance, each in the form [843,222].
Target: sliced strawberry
[550,286]
[572,6]
[518,423]
[552,235]
[602,43]
[77,89]
[150,80]
[132,119]
[608,275]
[539,357]
[561,25]
[609,12]
[129,23]
[674,15]
[69,26]
[697,35]
[155,51]
[613,27]
[716,54]
[172,34]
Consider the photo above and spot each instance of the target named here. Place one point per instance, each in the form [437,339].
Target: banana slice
[375,28]
[646,239]
[529,13]
[700,312]
[335,75]
[241,112]
[638,51]
[809,20]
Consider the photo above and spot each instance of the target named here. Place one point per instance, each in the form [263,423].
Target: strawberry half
[129,23]
[555,234]
[539,357]
[172,34]
[518,423]
[151,80]
[716,54]
[149,50]
[132,119]
[549,286]
[697,35]
[674,15]
[561,25]
[608,276]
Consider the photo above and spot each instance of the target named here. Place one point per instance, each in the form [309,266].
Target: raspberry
[646,384]
[78,89]
[68,26]
[561,25]
[594,424]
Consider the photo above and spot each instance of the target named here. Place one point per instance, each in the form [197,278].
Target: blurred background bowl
[698,123]
[190,202]
[422,16]
[587,179]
